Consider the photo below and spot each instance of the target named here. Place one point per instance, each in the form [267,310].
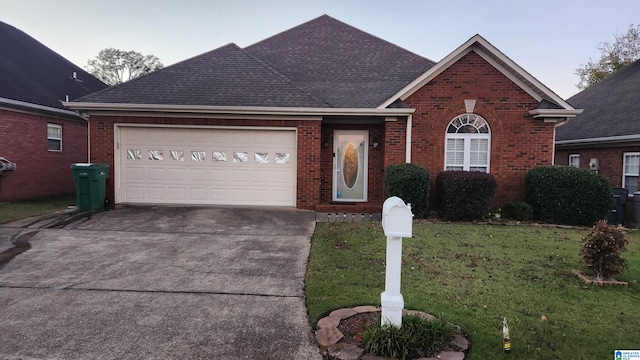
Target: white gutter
[242,110]
[37,107]
[407,156]
[617,139]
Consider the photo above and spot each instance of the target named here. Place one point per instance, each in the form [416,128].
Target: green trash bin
[90,180]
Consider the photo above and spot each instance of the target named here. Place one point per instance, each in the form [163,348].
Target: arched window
[468,144]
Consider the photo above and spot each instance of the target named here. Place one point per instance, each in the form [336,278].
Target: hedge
[464,195]
[568,195]
[410,182]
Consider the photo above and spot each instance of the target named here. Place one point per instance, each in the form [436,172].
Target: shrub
[567,195]
[519,210]
[602,248]
[418,337]
[464,195]
[410,182]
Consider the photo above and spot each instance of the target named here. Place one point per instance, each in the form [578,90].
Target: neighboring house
[311,117]
[606,136]
[38,134]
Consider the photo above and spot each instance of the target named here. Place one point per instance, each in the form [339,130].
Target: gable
[506,66]
[472,77]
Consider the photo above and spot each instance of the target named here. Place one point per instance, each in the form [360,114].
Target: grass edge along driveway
[476,274]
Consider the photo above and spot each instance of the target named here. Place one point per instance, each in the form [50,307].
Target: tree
[613,57]
[114,66]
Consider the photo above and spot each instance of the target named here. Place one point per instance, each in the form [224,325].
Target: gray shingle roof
[226,76]
[611,107]
[339,63]
[320,64]
[32,73]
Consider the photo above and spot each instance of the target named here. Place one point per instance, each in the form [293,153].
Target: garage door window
[134,154]
[219,156]
[176,155]
[156,155]
[240,157]
[261,158]
[282,158]
[198,156]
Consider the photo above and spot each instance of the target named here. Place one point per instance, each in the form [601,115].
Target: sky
[548,38]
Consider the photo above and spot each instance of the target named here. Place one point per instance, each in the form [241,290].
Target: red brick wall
[610,160]
[518,142]
[308,165]
[39,172]
[375,194]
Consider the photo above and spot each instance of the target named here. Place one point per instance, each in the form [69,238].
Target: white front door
[350,165]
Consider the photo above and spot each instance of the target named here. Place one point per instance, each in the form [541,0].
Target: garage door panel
[134,193]
[176,193]
[197,166]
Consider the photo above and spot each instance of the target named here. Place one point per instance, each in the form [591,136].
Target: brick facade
[308,165]
[610,160]
[518,142]
[39,172]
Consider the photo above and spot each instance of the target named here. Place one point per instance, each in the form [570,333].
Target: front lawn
[16,210]
[475,275]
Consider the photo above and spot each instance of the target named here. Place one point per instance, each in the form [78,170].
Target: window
[54,137]
[574,160]
[630,167]
[468,144]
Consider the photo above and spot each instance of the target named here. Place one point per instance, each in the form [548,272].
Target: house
[40,136]
[311,117]
[606,136]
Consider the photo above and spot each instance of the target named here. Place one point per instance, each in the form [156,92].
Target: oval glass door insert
[350,165]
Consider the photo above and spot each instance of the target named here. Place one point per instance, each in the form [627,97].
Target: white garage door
[206,166]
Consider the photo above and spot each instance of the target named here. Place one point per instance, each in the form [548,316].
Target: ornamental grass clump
[602,249]
[418,337]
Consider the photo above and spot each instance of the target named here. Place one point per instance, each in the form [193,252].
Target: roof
[345,66]
[225,76]
[31,73]
[611,108]
[304,67]
[547,98]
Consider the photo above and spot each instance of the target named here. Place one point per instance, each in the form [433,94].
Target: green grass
[477,274]
[11,211]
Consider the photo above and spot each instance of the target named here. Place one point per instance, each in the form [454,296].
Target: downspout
[407,156]
[88,141]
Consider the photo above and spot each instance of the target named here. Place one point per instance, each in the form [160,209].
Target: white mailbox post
[397,222]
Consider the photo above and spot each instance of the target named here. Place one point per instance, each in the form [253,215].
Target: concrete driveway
[161,283]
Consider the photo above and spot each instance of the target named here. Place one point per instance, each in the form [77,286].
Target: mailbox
[397,219]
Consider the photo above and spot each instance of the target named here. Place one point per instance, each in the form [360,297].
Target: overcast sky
[548,38]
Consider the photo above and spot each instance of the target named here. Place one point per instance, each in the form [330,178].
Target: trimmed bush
[520,211]
[568,195]
[602,248]
[410,182]
[464,195]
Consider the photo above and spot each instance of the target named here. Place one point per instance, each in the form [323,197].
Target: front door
[350,165]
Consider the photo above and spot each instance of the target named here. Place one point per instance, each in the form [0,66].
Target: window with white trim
[54,137]
[468,144]
[574,160]
[630,167]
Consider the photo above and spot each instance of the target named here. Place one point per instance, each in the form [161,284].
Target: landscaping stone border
[328,337]
[590,281]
